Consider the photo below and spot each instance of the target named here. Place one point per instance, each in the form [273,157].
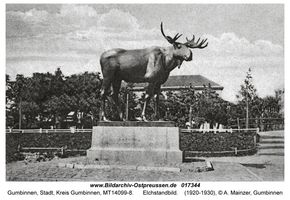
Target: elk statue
[151,65]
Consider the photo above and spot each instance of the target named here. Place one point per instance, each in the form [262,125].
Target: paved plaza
[247,168]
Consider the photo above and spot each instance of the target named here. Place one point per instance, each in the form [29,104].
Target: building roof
[183,82]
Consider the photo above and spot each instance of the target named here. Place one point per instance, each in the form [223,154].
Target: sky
[43,37]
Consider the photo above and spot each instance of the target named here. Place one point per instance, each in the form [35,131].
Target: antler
[168,38]
[192,44]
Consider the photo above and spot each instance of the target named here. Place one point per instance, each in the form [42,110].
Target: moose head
[181,51]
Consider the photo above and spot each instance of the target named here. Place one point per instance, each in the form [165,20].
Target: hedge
[77,140]
[189,141]
[224,141]
[217,144]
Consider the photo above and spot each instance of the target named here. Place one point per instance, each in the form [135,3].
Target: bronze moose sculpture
[151,65]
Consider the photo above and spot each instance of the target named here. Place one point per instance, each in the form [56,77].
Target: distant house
[177,83]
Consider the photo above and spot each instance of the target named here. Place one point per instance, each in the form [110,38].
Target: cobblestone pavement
[50,171]
[246,168]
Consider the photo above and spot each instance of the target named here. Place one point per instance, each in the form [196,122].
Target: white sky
[40,38]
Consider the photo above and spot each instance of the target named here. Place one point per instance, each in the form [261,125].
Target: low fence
[47,140]
[229,130]
[264,124]
[194,142]
[71,130]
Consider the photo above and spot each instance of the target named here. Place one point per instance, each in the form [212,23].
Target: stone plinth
[136,143]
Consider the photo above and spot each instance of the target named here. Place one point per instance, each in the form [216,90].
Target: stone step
[272,141]
[270,151]
[271,136]
[270,146]
[271,154]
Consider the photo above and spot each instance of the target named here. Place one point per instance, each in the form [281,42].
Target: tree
[86,90]
[18,92]
[205,105]
[47,98]
[30,110]
[10,105]
[57,109]
[271,107]
[247,95]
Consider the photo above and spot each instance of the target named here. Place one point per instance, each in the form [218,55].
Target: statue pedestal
[141,143]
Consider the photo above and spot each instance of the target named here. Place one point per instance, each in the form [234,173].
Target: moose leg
[104,95]
[156,109]
[148,96]
[116,89]
[103,107]
[147,99]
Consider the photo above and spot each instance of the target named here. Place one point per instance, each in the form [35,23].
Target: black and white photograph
[144,93]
